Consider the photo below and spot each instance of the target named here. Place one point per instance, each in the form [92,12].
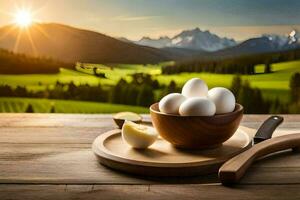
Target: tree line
[12,63]
[139,92]
[254,103]
[244,64]
[143,90]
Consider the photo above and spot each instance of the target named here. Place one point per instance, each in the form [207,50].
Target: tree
[252,100]
[295,87]
[21,92]
[155,84]
[52,110]
[117,92]
[268,68]
[131,94]
[275,107]
[172,87]
[236,85]
[95,70]
[6,91]
[146,96]
[29,109]
[72,88]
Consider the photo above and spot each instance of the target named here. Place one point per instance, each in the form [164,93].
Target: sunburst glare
[23,18]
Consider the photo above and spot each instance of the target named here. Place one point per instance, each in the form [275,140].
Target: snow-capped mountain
[274,42]
[204,40]
[157,43]
[282,41]
[197,40]
[190,39]
[263,44]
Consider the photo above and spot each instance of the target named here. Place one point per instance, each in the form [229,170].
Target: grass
[36,82]
[63,106]
[273,85]
[41,81]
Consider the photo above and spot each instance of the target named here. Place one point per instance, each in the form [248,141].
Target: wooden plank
[56,149]
[189,192]
[75,163]
[79,120]
[57,120]
[247,117]
[50,135]
[23,152]
[62,164]
[66,135]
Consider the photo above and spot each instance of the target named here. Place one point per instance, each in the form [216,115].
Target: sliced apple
[121,117]
[137,135]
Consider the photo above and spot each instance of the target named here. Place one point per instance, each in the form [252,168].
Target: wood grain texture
[163,159]
[43,149]
[235,168]
[149,192]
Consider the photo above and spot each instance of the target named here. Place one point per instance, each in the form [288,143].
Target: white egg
[170,103]
[223,99]
[195,87]
[138,135]
[197,106]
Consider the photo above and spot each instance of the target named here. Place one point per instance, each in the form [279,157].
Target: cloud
[134,18]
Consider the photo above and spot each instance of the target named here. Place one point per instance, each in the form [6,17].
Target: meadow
[276,81]
[12,105]
[273,85]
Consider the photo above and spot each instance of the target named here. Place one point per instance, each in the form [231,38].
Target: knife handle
[234,169]
[266,130]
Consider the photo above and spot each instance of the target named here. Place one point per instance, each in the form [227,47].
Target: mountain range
[204,43]
[263,44]
[69,44]
[195,39]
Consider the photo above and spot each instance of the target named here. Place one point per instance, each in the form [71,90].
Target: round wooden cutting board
[162,159]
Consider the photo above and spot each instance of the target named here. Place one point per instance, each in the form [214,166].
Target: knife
[233,170]
[265,131]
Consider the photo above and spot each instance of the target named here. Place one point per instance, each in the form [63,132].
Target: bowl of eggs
[198,118]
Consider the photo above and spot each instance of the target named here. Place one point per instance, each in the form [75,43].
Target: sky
[133,19]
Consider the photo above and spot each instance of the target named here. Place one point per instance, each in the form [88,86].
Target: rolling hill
[71,44]
[12,63]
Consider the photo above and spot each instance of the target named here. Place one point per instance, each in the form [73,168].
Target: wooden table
[48,156]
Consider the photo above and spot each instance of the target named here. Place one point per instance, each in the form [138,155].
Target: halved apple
[137,135]
[121,117]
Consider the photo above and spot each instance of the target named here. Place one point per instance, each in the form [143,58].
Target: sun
[23,18]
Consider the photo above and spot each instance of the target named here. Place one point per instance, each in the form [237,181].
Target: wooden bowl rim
[238,109]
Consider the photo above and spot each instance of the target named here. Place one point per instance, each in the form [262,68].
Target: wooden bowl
[196,132]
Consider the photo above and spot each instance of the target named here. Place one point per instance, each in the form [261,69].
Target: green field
[273,85]
[14,105]
[41,81]
[37,82]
